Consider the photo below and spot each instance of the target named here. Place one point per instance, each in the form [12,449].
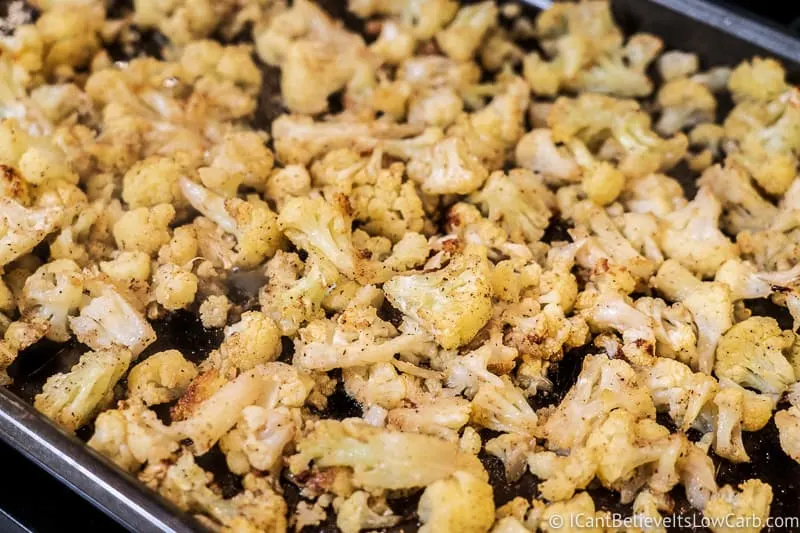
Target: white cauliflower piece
[358,337]
[241,158]
[259,439]
[504,408]
[356,514]
[445,167]
[441,417]
[519,202]
[740,511]
[709,302]
[420,459]
[252,341]
[144,229]
[153,181]
[54,292]
[174,287]
[752,354]
[676,337]
[251,222]
[380,385]
[655,193]
[214,311]
[462,37]
[453,304]
[161,378]
[22,228]
[677,389]
[108,319]
[603,385]
[744,207]
[216,415]
[676,64]
[563,475]
[71,399]
[538,152]
[788,423]
[684,103]
[459,503]
[131,435]
[692,238]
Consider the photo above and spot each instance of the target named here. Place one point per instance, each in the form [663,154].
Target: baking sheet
[720,37]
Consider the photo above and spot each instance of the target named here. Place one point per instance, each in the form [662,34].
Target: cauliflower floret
[174,287]
[519,201]
[677,389]
[562,475]
[504,408]
[442,417]
[684,103]
[107,319]
[559,517]
[144,229]
[131,435]
[461,503]
[745,208]
[181,248]
[603,385]
[760,80]
[438,107]
[453,304]
[252,341]
[416,461]
[259,439]
[73,398]
[752,352]
[676,337]
[241,158]
[788,423]
[358,337]
[462,37]
[356,514]
[538,152]
[151,182]
[299,139]
[378,384]
[443,167]
[709,302]
[214,311]
[385,204]
[54,292]
[216,415]
[128,267]
[251,221]
[21,228]
[692,238]
[655,193]
[291,299]
[286,182]
[742,511]
[161,378]
[674,64]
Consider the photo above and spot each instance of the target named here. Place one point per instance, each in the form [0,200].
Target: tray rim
[137,508]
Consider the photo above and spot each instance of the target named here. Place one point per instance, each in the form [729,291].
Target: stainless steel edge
[761,35]
[114,492]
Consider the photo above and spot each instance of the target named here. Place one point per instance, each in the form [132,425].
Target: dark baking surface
[32,500]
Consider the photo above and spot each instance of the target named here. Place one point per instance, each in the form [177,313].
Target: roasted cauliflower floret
[107,319]
[251,222]
[252,341]
[54,292]
[131,435]
[259,439]
[151,182]
[420,459]
[144,229]
[22,228]
[462,37]
[460,503]
[74,397]
[684,103]
[161,378]
[452,303]
[691,235]
[241,158]
[174,287]
[752,354]
[742,510]
[519,201]
[710,303]
[788,423]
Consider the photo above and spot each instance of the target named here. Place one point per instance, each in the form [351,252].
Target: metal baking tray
[718,35]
